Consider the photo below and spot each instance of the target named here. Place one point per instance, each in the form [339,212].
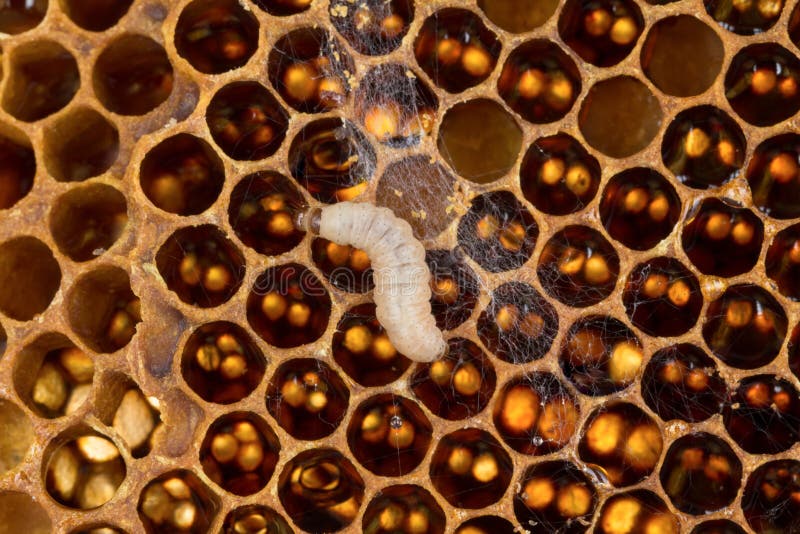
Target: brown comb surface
[608,193]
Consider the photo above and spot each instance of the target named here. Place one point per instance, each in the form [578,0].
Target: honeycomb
[609,194]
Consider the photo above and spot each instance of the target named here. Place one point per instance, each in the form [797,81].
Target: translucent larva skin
[402,279]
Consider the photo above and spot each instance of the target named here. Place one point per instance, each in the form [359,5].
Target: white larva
[402,279]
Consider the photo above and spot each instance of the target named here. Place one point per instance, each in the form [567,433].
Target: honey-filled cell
[403,509]
[601,32]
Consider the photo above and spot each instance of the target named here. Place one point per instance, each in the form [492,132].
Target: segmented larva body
[402,279]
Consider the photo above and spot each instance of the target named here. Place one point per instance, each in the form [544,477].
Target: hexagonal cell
[454,288]
[519,325]
[639,208]
[403,509]
[558,176]
[17,168]
[389,435]
[132,75]
[470,469]
[201,266]
[783,261]
[745,17]
[636,511]
[703,147]
[556,496]
[480,140]
[263,210]
[246,121]
[458,385]
[182,175]
[17,16]
[376,27]
[83,469]
[761,84]
[80,145]
[321,490]
[43,79]
[216,36]
[307,398]
[536,414]
[620,116]
[601,355]
[239,453]
[682,382]
[102,309]
[394,105]
[498,232]
[288,306]
[16,439]
[346,267]
[96,15]
[52,376]
[177,501]
[745,327]
[283,8]
[311,70]
[763,414]
[621,443]
[432,208]
[87,221]
[20,513]
[255,519]
[124,407]
[603,32]
[518,16]
[662,297]
[686,41]
[722,239]
[718,526]
[29,277]
[700,473]
[539,81]
[578,266]
[486,524]
[221,363]
[456,49]
[332,159]
[769,501]
[773,176]
[363,350]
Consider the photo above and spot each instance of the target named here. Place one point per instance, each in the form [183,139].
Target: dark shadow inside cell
[602,32]
[307,398]
[703,147]
[457,386]
[454,288]
[375,27]
[682,382]
[761,84]
[96,15]
[558,176]
[498,232]
[774,176]
[363,350]
[519,325]
[662,297]
[246,121]
[722,239]
[578,266]
[745,327]
[639,208]
[539,81]
[221,363]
